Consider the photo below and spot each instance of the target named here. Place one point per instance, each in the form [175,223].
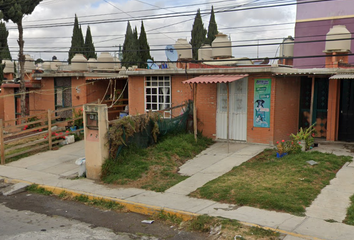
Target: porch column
[333,110]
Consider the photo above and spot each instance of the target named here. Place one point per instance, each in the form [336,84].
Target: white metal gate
[238,110]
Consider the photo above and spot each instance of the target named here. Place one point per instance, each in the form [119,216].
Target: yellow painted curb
[282,231]
[148,209]
[131,206]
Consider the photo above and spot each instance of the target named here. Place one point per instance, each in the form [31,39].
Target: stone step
[13,189]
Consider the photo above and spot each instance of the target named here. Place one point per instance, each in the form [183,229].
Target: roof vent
[79,63]
[105,61]
[205,52]
[46,66]
[221,46]
[287,47]
[29,63]
[9,66]
[183,48]
[117,63]
[343,39]
[92,63]
[56,64]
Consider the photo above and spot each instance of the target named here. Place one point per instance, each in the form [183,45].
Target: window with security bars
[157,93]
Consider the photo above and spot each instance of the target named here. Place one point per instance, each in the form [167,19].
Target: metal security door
[238,110]
[346,114]
[63,97]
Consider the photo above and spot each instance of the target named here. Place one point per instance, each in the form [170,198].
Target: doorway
[319,107]
[346,111]
[237,107]
[63,98]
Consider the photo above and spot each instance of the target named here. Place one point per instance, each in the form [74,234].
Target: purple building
[313,22]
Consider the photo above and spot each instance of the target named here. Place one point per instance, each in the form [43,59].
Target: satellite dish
[152,65]
[171,53]
[149,63]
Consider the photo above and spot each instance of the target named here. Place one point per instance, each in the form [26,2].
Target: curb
[131,206]
[149,209]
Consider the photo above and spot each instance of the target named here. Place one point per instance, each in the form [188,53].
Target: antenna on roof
[171,53]
[152,65]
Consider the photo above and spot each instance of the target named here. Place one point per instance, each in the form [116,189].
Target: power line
[170,15]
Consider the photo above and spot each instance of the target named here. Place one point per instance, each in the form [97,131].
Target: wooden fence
[37,132]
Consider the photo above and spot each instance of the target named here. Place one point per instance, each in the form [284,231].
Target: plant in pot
[305,137]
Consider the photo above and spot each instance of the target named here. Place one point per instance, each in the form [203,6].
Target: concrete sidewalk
[52,168]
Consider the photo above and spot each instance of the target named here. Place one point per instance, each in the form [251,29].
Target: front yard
[287,184]
[154,168]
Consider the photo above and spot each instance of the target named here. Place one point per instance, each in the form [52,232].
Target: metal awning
[215,78]
[342,76]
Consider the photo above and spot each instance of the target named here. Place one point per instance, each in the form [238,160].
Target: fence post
[50,128]
[2,142]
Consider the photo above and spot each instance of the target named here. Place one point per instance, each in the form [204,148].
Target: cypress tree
[136,48]
[143,47]
[130,47]
[82,41]
[77,40]
[212,28]
[198,35]
[90,51]
[4,47]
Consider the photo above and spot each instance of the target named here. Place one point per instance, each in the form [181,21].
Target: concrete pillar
[333,110]
[96,149]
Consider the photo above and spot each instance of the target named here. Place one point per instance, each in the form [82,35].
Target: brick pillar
[334,58]
[333,110]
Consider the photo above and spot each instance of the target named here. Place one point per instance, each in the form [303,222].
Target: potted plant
[305,137]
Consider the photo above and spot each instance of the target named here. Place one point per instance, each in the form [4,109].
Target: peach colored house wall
[287,104]
[180,93]
[9,103]
[257,134]
[136,95]
[43,98]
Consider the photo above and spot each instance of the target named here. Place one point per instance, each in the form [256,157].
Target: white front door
[238,110]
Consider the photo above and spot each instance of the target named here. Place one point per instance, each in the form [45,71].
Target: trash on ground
[147,221]
[82,163]
[312,162]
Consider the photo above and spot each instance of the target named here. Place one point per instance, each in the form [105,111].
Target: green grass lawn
[286,184]
[156,167]
[350,213]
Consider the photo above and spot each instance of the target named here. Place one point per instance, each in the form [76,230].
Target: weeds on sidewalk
[34,188]
[156,167]
[101,203]
[287,184]
[213,226]
[350,212]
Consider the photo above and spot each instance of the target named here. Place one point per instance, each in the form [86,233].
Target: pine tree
[143,47]
[15,10]
[130,47]
[136,48]
[4,47]
[90,51]
[212,28]
[81,41]
[77,41]
[198,35]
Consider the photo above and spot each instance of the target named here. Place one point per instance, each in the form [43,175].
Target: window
[157,93]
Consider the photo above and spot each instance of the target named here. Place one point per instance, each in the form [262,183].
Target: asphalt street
[32,216]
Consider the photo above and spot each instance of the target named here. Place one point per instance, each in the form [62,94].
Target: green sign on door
[262,90]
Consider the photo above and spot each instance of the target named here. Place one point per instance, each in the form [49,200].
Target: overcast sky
[108,21]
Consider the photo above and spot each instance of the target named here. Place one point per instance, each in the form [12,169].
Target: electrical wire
[171,15]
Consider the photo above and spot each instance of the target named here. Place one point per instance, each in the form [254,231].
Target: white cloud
[40,42]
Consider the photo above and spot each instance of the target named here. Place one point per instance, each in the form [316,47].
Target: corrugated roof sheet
[215,78]
[108,78]
[342,76]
